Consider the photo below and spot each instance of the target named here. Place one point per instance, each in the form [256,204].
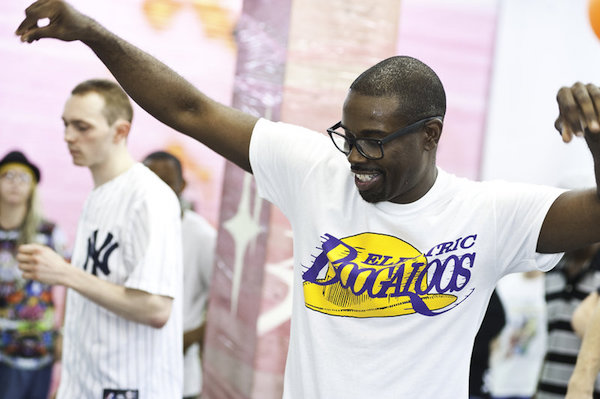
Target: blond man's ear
[122,128]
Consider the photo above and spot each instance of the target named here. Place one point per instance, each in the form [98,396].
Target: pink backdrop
[193,37]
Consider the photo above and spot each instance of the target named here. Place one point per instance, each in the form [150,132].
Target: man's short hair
[417,86]
[165,156]
[116,102]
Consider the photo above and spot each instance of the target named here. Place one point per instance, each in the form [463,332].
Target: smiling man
[395,260]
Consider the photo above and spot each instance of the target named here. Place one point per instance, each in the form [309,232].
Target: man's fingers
[31,17]
[38,18]
[568,110]
[28,275]
[29,248]
[26,27]
[32,31]
[565,133]
[25,267]
[589,117]
[27,271]
[28,267]
[25,258]
[37,34]
[579,110]
[594,93]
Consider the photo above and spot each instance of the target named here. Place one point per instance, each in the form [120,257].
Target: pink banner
[457,40]
[231,361]
[195,38]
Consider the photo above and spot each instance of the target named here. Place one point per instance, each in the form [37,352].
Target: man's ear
[122,128]
[183,184]
[433,131]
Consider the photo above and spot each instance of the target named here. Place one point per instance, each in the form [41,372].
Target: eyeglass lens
[368,148]
[17,177]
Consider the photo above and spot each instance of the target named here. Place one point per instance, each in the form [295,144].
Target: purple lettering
[445,247]
[456,244]
[394,282]
[322,261]
[460,270]
[389,279]
[372,259]
[465,246]
[353,275]
[385,259]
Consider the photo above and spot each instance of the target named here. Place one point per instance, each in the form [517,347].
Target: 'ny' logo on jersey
[100,256]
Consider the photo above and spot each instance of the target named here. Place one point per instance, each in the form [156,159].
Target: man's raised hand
[579,111]
[55,19]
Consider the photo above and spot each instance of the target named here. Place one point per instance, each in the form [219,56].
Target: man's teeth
[364,177]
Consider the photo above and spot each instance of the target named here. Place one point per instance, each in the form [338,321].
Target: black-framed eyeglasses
[370,148]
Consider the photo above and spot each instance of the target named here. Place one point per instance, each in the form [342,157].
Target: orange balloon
[594,15]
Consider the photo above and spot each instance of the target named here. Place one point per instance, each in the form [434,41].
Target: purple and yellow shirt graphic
[377,275]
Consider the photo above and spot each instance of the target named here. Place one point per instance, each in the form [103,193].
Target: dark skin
[407,170]
[572,222]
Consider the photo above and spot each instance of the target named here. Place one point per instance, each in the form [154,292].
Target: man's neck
[114,167]
[11,216]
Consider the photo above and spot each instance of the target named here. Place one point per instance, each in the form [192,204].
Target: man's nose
[69,136]
[354,156]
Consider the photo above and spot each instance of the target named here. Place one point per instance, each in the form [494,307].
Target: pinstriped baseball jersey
[129,233]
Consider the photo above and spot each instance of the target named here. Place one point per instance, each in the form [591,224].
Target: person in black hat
[28,334]
[18,158]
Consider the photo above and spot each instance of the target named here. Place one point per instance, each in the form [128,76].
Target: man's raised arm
[573,220]
[154,86]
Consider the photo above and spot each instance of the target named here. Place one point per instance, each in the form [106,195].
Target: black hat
[20,158]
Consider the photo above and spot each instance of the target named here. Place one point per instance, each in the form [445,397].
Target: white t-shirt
[129,234]
[199,240]
[516,360]
[388,297]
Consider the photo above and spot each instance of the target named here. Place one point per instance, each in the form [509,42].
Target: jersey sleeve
[520,212]
[154,253]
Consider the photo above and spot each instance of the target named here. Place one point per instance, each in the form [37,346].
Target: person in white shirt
[123,327]
[394,259]
[197,270]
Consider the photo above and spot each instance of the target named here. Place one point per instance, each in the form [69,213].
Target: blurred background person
[574,278]
[199,240]
[491,326]
[586,324]
[29,337]
[567,285]
[517,356]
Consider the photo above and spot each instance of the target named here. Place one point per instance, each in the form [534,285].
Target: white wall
[541,45]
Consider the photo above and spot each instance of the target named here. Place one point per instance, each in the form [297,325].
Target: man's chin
[370,197]
[78,162]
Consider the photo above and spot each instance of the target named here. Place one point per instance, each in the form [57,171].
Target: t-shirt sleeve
[154,253]
[283,156]
[520,212]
